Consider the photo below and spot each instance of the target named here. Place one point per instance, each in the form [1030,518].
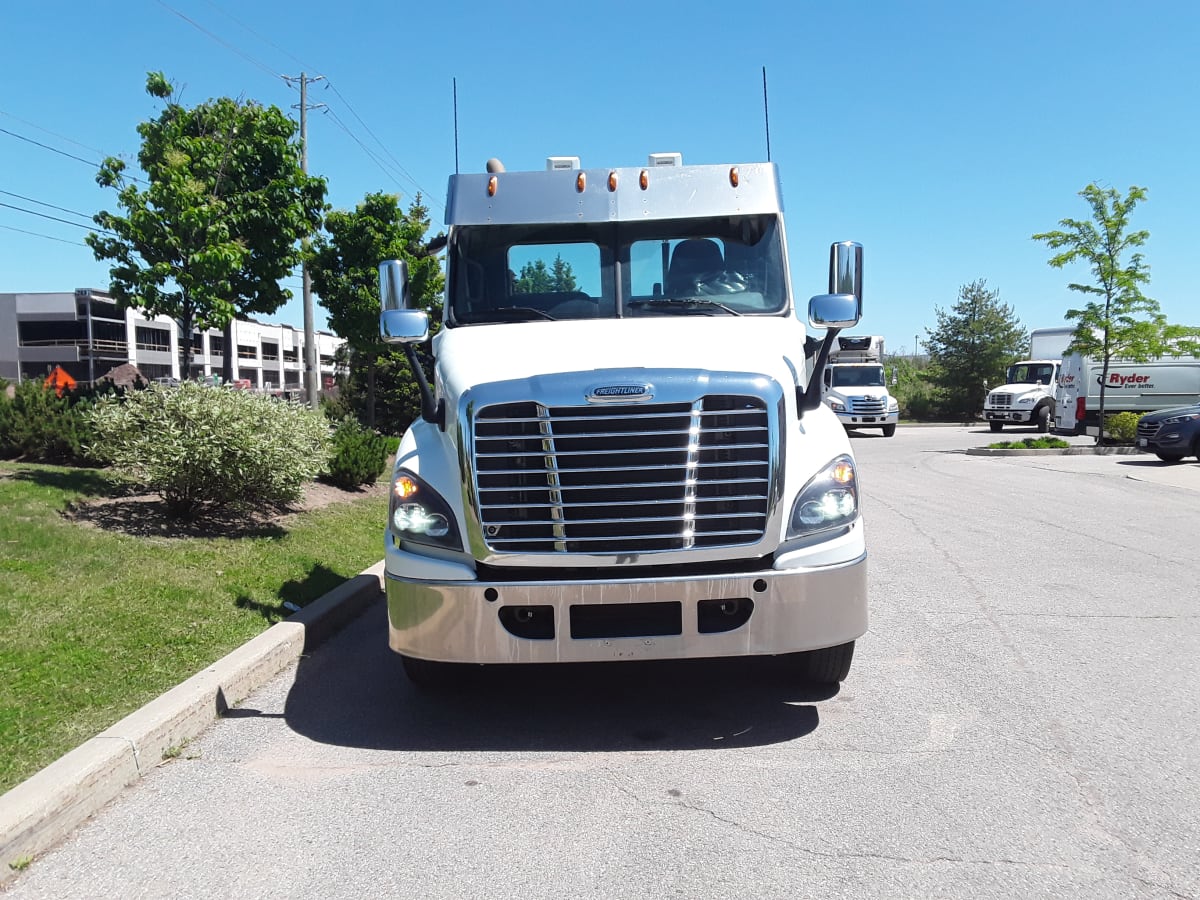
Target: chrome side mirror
[834,311]
[846,269]
[398,323]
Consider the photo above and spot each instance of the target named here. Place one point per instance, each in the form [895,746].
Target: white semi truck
[855,387]
[1028,394]
[622,453]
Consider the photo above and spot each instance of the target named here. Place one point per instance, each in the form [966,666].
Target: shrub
[359,455]
[1029,443]
[37,424]
[1121,426]
[203,448]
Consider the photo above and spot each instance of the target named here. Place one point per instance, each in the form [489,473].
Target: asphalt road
[1021,721]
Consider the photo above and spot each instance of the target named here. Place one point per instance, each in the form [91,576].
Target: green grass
[95,623]
[1040,443]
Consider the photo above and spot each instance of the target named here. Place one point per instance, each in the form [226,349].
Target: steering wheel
[721,283]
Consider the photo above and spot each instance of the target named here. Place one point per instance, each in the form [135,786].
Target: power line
[61,137]
[48,147]
[265,40]
[377,140]
[73,212]
[46,236]
[89,162]
[367,150]
[57,219]
[250,59]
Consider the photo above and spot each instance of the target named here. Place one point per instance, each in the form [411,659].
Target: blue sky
[940,135]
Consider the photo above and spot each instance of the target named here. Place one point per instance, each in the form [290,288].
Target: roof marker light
[612,181]
[580,182]
[733,176]
[492,182]
[644,179]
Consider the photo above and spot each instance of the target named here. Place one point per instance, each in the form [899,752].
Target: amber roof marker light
[733,176]
[492,183]
[644,179]
[612,181]
[580,182]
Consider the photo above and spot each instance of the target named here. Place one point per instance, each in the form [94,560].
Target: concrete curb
[1053,451]
[49,805]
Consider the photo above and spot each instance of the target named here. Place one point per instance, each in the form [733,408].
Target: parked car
[1171,434]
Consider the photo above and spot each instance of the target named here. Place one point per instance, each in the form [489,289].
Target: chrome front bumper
[789,610]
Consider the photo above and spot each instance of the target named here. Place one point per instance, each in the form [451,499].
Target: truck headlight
[837,405]
[1025,401]
[417,513]
[893,404]
[829,500]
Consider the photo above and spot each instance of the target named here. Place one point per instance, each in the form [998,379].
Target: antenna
[455,83]
[766,114]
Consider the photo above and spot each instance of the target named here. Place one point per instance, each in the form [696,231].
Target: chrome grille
[1147,429]
[868,406]
[622,478]
[1002,401]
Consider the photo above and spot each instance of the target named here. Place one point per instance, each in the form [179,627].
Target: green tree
[972,345]
[345,273]
[219,222]
[1120,322]
[537,278]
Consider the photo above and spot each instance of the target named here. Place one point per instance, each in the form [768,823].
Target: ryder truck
[623,454]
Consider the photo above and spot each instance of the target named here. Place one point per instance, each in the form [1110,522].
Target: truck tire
[829,665]
[1169,457]
[995,426]
[428,675]
[889,430]
[1043,419]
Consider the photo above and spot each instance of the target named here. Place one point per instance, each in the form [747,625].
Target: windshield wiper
[683,303]
[522,312]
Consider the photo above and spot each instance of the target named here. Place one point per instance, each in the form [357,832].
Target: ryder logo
[1116,379]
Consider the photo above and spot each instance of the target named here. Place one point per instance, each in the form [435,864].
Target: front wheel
[889,430]
[828,665]
[995,426]
[1043,419]
[1169,457]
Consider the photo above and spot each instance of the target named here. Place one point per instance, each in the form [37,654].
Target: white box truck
[1028,394]
[621,454]
[854,386]
[1130,387]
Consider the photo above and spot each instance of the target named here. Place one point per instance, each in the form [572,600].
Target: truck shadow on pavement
[353,692]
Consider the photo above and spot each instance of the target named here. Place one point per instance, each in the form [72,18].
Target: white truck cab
[854,385]
[622,454]
[1027,396]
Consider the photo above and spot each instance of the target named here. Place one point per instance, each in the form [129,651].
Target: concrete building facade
[87,335]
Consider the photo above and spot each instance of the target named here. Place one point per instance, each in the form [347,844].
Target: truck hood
[1020,390]
[473,355]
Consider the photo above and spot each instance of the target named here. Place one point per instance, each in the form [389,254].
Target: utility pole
[915,336]
[310,336]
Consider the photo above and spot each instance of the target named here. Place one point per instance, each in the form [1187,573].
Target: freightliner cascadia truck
[622,453]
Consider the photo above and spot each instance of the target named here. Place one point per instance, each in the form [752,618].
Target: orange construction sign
[60,380]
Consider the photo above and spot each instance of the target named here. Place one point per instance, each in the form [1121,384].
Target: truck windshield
[1023,373]
[708,267]
[857,376]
